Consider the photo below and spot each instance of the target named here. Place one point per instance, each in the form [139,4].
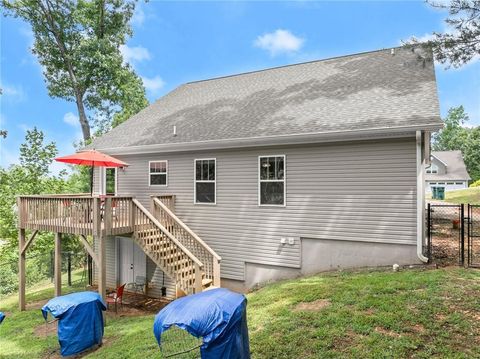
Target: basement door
[132,261]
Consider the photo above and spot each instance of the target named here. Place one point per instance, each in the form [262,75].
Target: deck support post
[216,273]
[58,265]
[102,268]
[198,279]
[21,269]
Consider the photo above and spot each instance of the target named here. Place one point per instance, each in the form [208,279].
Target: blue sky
[176,42]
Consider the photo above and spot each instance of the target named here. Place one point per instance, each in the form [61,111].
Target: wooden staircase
[174,248]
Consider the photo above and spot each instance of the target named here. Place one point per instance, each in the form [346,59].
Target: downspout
[420,197]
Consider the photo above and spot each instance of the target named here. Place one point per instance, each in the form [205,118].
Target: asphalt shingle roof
[357,92]
[456,169]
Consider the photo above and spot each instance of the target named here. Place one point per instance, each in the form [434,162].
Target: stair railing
[166,250]
[189,239]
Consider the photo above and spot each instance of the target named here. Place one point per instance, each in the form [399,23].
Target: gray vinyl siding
[155,279]
[356,191]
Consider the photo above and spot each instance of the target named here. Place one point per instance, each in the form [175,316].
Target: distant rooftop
[384,89]
[456,169]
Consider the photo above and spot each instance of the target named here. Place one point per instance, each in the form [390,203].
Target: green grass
[469,195]
[375,314]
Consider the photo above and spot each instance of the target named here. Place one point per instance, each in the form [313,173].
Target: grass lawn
[469,195]
[413,313]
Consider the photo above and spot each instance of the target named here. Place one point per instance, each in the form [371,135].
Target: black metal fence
[445,234]
[473,236]
[453,234]
[77,267]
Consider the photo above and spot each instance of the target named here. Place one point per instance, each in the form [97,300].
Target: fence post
[69,268]
[462,234]
[51,266]
[429,232]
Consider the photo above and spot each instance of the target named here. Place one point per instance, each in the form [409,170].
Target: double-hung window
[205,177]
[271,180]
[158,171]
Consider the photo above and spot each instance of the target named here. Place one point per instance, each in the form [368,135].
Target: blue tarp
[80,323]
[219,316]
[2,317]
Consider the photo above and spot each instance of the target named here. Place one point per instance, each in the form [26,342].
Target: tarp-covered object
[2,317]
[80,323]
[219,316]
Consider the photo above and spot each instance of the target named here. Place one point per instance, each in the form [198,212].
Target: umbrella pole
[91,180]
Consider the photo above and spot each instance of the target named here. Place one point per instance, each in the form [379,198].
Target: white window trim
[284,182]
[166,174]
[203,181]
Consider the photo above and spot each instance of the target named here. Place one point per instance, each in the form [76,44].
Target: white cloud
[138,17]
[153,84]
[134,54]
[279,41]
[71,119]
[424,38]
[13,93]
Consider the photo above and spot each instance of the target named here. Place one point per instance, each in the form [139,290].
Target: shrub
[475,184]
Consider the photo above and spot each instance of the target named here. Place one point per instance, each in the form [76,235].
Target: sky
[175,42]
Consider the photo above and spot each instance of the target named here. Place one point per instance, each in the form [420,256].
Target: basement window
[158,173]
[271,187]
[205,181]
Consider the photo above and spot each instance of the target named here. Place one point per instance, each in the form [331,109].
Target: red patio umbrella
[92,158]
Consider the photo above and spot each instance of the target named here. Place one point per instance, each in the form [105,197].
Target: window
[205,173]
[271,180]
[432,168]
[459,183]
[110,181]
[158,173]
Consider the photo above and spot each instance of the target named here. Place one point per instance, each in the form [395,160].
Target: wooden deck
[71,225]
[164,238]
[81,215]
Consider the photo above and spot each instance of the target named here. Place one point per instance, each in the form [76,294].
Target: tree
[461,45]
[77,43]
[456,136]
[30,177]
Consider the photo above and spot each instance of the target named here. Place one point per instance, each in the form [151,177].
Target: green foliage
[461,43]
[456,136]
[77,43]
[475,184]
[31,177]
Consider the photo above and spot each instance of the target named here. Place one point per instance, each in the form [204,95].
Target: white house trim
[420,197]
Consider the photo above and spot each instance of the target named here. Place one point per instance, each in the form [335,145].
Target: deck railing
[75,214]
[210,259]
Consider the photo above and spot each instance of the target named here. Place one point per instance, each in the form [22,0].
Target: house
[270,174]
[446,172]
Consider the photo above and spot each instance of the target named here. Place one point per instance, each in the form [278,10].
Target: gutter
[420,196]
[304,138]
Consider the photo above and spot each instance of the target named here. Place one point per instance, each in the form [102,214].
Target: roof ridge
[295,64]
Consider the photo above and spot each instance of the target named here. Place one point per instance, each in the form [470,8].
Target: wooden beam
[89,249]
[30,240]
[102,267]
[58,265]
[21,269]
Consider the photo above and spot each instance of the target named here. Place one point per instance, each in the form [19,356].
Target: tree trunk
[82,117]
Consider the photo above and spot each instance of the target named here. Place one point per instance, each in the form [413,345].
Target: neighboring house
[285,171]
[447,172]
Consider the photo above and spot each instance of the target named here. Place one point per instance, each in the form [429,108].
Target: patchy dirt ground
[314,306]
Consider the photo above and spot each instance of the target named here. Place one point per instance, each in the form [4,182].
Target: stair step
[206,282]
[210,288]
